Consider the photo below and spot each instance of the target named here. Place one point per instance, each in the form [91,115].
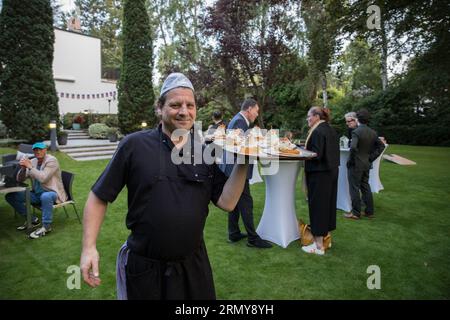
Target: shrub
[98,131]
[78,119]
[112,121]
[66,121]
[112,130]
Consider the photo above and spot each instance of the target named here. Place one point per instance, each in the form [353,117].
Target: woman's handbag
[306,236]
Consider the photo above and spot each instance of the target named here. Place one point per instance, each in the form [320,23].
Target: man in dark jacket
[244,207]
[364,149]
[165,255]
[351,122]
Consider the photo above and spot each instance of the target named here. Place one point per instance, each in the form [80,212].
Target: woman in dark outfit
[321,175]
[165,255]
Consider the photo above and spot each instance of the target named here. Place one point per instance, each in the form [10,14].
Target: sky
[67,5]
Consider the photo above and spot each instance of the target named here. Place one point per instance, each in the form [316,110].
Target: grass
[409,240]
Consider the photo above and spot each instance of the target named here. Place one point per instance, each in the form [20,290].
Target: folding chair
[67,180]
[11,157]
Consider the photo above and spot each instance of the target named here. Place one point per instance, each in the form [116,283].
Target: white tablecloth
[344,201]
[256,178]
[279,222]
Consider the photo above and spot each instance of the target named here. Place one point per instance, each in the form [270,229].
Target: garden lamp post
[52,126]
[144,125]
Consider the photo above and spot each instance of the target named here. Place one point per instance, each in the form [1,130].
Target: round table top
[4,189]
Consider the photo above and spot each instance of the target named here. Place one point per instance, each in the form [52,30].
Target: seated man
[47,188]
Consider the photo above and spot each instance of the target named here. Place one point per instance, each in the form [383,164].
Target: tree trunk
[261,105]
[384,56]
[324,90]
[262,34]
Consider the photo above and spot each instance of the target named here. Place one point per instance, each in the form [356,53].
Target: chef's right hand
[89,267]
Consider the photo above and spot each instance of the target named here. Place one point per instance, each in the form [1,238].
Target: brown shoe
[350,215]
[368,216]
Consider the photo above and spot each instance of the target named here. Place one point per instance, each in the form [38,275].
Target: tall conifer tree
[135,88]
[28,98]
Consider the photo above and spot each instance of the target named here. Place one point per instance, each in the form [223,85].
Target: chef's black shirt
[167,203]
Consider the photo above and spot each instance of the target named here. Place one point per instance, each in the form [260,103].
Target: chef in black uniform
[167,204]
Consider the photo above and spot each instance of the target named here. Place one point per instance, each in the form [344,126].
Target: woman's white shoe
[312,248]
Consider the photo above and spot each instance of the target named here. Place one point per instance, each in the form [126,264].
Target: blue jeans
[44,199]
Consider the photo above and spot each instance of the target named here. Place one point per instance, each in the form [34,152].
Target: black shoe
[259,243]
[34,224]
[350,215]
[237,238]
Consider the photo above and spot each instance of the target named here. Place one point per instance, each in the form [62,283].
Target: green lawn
[409,240]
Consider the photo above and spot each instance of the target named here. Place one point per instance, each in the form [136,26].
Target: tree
[359,67]
[321,20]
[28,99]
[406,28]
[177,25]
[59,16]
[135,89]
[251,37]
[293,92]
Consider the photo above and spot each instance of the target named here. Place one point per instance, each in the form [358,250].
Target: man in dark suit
[364,149]
[242,120]
[350,121]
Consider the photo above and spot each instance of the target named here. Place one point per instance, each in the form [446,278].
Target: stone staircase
[77,135]
[81,148]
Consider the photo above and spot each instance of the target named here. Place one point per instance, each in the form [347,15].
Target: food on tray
[295,152]
[255,142]
[250,145]
[256,133]
[235,137]
[220,134]
[270,141]
[286,146]
[249,150]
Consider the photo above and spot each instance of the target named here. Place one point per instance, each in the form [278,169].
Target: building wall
[77,73]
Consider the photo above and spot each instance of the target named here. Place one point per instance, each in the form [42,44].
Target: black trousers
[244,208]
[322,197]
[358,181]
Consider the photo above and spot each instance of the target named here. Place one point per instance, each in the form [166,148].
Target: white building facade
[77,73]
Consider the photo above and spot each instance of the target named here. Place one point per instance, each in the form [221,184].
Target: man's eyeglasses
[348,121]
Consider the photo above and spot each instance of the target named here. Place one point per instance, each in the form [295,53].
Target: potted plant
[77,121]
[62,138]
[112,134]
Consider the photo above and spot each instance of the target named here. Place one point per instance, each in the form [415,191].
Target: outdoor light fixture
[52,126]
[143,124]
